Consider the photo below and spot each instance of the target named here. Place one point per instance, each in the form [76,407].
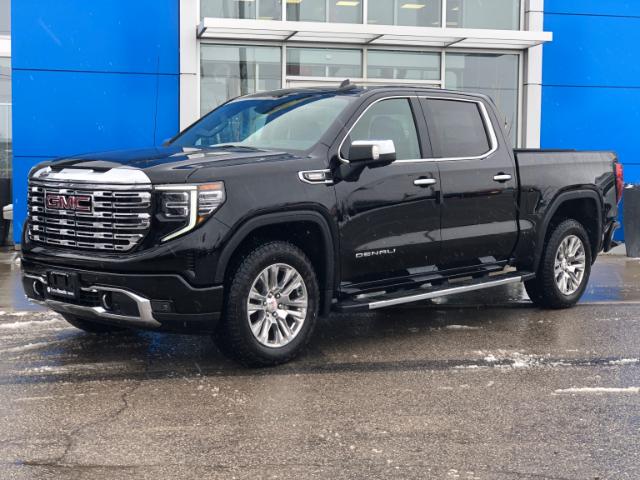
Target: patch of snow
[625,361]
[461,327]
[24,348]
[29,323]
[598,390]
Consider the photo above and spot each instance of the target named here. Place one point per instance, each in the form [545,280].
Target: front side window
[457,129]
[228,71]
[494,14]
[388,120]
[419,13]
[256,9]
[340,11]
[324,62]
[291,122]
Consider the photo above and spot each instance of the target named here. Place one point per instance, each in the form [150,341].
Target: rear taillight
[619,182]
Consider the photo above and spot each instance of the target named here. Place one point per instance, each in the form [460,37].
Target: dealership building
[108,74]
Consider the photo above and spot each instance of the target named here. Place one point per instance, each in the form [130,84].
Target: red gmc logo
[78,203]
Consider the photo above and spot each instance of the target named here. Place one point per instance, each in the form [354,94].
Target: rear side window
[457,129]
[388,120]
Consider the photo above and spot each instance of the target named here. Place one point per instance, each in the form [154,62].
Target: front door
[390,215]
[479,184]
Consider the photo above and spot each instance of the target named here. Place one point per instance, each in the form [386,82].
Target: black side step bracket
[426,292]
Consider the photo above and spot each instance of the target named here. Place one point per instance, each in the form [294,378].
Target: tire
[92,327]
[547,292]
[266,347]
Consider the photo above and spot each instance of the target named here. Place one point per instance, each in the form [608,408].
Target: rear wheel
[271,306]
[90,326]
[564,269]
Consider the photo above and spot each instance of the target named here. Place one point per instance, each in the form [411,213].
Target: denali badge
[376,253]
[78,203]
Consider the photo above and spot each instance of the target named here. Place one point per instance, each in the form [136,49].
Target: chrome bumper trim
[145,319]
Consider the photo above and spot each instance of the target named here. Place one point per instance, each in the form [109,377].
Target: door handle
[502,177]
[425,182]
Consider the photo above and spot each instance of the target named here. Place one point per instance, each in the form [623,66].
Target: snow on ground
[598,390]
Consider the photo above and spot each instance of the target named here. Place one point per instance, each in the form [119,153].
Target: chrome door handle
[424,182]
[502,177]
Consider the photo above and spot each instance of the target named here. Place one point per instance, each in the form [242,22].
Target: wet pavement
[478,387]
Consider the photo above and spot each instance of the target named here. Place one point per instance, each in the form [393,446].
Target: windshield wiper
[234,145]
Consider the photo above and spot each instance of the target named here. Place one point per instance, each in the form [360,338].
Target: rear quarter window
[457,129]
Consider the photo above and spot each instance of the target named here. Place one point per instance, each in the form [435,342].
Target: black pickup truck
[279,207]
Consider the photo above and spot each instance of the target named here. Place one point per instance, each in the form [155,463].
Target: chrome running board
[429,292]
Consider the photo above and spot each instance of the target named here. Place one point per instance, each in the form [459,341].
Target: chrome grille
[119,219]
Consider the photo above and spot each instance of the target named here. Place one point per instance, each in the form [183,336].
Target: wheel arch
[572,204]
[260,226]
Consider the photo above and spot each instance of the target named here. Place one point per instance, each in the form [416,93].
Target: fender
[553,208]
[329,239]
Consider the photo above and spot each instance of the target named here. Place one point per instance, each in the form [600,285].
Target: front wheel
[564,269]
[271,306]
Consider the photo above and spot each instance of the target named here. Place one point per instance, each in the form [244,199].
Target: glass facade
[495,14]
[492,14]
[232,70]
[228,71]
[324,62]
[336,11]
[5,118]
[256,9]
[423,13]
[398,65]
[5,17]
[495,75]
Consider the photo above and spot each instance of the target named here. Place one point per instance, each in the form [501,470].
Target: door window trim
[488,125]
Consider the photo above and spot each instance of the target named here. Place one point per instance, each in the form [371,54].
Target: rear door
[390,215]
[478,181]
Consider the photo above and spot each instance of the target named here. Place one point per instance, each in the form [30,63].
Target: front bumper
[149,301]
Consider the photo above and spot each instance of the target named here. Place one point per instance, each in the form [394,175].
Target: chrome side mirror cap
[378,152]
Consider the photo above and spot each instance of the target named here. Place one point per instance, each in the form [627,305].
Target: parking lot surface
[482,386]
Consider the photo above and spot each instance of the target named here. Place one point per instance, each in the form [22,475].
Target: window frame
[425,137]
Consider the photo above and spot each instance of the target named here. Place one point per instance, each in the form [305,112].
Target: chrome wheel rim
[277,305]
[570,265]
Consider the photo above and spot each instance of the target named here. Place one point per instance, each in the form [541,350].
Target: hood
[170,164]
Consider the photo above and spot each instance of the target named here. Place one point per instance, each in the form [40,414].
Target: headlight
[188,205]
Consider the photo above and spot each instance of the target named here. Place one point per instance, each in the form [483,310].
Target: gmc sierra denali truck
[278,207]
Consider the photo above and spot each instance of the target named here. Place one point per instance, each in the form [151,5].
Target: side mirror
[372,152]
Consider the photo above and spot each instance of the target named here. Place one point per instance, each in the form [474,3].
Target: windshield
[291,122]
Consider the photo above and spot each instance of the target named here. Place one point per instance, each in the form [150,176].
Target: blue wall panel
[592,50]
[592,118]
[91,76]
[624,8]
[591,79]
[96,35]
[79,112]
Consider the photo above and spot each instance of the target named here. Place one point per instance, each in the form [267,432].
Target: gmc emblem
[77,203]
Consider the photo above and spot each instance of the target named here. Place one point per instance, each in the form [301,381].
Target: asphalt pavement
[482,386]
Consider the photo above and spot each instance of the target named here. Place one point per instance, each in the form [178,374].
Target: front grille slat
[118,222]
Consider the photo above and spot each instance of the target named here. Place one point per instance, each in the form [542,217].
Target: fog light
[38,288]
[106,301]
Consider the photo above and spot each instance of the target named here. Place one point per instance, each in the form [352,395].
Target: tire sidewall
[247,273]
[563,231]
